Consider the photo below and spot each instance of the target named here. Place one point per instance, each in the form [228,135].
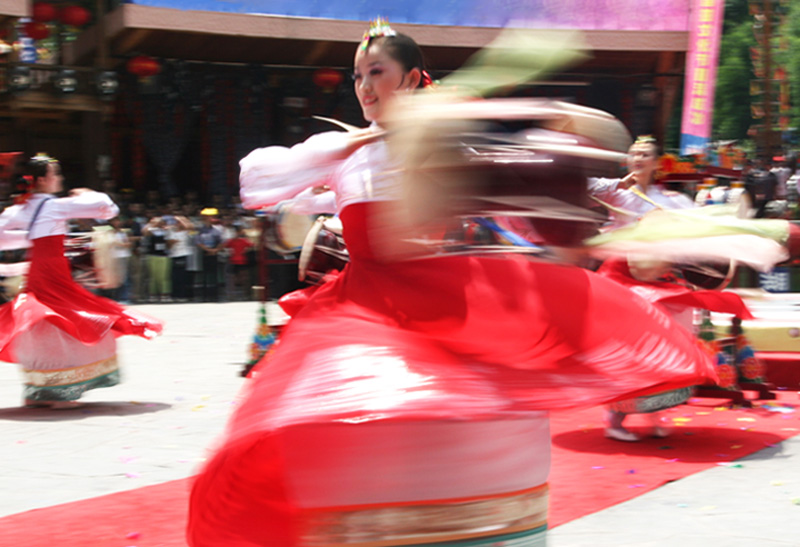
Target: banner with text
[705,30]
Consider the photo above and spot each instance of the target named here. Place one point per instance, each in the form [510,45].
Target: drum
[285,231]
[89,255]
[527,158]
[323,250]
[709,276]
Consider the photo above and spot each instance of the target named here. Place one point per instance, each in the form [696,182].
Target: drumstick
[346,126]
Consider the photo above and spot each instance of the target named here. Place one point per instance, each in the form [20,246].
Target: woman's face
[52,182]
[378,77]
[642,159]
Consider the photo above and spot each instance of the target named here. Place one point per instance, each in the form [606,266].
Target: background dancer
[63,336]
[629,198]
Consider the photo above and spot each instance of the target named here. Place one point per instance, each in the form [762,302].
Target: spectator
[180,250]
[158,263]
[239,260]
[209,241]
[121,254]
[137,266]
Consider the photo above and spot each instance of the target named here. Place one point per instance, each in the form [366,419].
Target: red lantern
[75,16]
[327,78]
[36,30]
[143,66]
[44,12]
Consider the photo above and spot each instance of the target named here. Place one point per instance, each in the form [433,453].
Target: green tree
[792,59]
[732,115]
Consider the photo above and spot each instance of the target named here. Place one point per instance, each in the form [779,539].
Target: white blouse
[277,173]
[607,190]
[53,217]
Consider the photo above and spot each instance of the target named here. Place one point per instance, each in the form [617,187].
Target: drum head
[287,232]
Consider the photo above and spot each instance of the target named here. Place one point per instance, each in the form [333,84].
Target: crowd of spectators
[178,250]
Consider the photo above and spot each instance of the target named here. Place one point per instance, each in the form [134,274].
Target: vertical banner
[705,30]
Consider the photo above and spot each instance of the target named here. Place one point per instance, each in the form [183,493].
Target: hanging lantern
[75,16]
[143,66]
[44,12]
[36,30]
[327,78]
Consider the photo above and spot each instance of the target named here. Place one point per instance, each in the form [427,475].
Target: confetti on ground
[598,467]
[796,501]
[631,471]
[708,508]
[133,475]
[683,505]
[729,464]
[133,535]
[745,419]
[681,420]
[776,483]
[198,407]
[735,446]
[635,486]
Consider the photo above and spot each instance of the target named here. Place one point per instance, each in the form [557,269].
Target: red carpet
[589,473]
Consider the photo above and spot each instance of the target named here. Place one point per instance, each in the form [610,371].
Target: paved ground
[179,389]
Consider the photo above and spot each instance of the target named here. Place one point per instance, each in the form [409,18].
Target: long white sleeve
[276,173]
[13,229]
[309,202]
[86,205]
[602,188]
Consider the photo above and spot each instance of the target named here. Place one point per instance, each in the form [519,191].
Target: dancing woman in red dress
[406,400]
[62,336]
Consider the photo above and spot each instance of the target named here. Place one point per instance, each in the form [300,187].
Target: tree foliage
[732,101]
[732,117]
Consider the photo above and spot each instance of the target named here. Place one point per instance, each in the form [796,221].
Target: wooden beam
[46,102]
[316,53]
[129,41]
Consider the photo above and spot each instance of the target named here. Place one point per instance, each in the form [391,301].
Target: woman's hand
[627,181]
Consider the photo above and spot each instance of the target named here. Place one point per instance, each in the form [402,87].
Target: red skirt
[447,339]
[51,295]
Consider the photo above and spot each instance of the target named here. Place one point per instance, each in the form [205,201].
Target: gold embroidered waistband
[435,521]
[67,376]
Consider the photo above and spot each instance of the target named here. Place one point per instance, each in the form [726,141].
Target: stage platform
[774,333]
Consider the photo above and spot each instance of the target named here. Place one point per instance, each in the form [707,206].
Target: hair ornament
[43,158]
[645,139]
[378,28]
[427,81]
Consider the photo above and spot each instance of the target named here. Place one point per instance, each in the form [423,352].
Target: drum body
[285,231]
[324,251]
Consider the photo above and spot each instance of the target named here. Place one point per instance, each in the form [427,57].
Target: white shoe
[661,428]
[660,431]
[621,434]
